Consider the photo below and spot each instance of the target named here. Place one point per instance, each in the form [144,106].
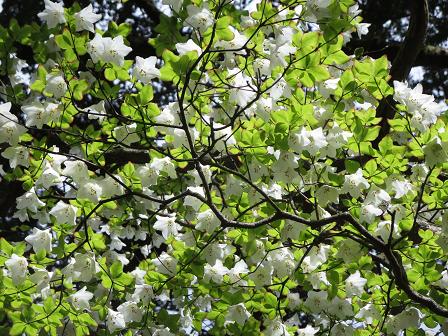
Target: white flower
[145,69]
[341,329]
[276,328]
[91,191]
[355,183]
[80,299]
[235,272]
[115,320]
[291,230]
[349,250]
[327,194]
[362,28]
[143,293]
[85,19]
[280,89]
[10,129]
[377,197]
[283,262]
[183,48]
[307,331]
[409,318]
[56,85]
[383,230]
[49,177]
[130,311]
[401,188]
[85,266]
[262,66]
[341,308]
[112,186]
[77,170]
[237,313]
[263,275]
[207,221]
[423,109]
[243,92]
[316,257]
[38,114]
[169,116]
[312,141]
[164,165]
[108,50]
[53,14]
[368,213]
[40,240]
[354,284]
[64,213]
[216,272]
[167,224]
[199,18]
[17,156]
[96,48]
[29,201]
[165,264]
[238,42]
[368,314]
[17,266]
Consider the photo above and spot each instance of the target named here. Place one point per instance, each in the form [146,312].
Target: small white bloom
[17,156]
[355,183]
[183,48]
[145,69]
[237,313]
[207,221]
[143,293]
[56,85]
[85,266]
[193,201]
[53,14]
[368,213]
[17,266]
[115,320]
[216,272]
[368,313]
[40,240]
[91,191]
[165,264]
[80,299]
[85,19]
[199,18]
[167,224]
[354,284]
[41,277]
[130,311]
[77,170]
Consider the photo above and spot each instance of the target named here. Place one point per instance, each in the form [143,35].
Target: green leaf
[116,269]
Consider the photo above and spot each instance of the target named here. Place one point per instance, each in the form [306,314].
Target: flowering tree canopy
[281,187]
